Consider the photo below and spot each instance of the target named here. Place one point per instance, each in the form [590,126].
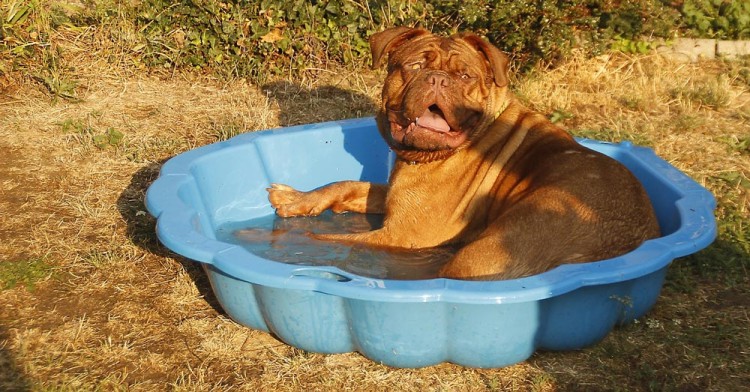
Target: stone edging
[692,49]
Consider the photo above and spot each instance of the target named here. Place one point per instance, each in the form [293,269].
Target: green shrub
[548,30]
[18,31]
[263,38]
[723,19]
[29,42]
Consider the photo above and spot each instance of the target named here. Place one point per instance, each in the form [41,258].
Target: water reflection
[285,240]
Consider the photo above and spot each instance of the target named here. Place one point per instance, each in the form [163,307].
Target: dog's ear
[382,43]
[498,60]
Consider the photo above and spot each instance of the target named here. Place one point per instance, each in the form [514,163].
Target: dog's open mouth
[429,131]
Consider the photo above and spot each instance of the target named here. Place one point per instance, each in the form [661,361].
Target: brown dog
[477,169]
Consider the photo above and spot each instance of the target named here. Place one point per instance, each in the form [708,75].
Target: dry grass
[115,310]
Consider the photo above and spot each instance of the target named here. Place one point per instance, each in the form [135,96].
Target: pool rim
[177,222]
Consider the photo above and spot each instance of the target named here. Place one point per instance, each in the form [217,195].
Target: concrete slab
[732,49]
[695,49]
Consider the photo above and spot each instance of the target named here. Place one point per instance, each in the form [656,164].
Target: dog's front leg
[345,196]
[379,237]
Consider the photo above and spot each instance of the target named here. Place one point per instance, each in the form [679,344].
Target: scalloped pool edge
[420,323]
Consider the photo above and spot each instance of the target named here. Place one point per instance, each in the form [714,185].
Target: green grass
[24,272]
[225,131]
[738,144]
[613,135]
[712,93]
[634,103]
[560,116]
[85,133]
[726,260]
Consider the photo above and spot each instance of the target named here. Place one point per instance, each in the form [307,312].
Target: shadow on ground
[676,344]
[301,105]
[11,376]
[141,229]
[298,104]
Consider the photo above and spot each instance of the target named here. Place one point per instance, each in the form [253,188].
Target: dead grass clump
[648,100]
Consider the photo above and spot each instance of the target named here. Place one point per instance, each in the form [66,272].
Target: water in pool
[284,240]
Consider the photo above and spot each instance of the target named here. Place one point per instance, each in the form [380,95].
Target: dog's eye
[465,76]
[415,66]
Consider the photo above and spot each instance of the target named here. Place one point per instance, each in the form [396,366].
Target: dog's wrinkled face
[438,89]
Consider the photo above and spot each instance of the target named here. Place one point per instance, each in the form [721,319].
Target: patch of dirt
[732,298]
[13,194]
[21,185]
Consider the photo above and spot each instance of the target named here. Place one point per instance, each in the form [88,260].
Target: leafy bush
[548,30]
[262,38]
[30,41]
[17,30]
[258,38]
[723,19]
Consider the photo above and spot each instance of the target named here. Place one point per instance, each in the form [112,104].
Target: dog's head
[440,92]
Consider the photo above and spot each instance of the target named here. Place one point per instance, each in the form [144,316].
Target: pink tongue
[433,121]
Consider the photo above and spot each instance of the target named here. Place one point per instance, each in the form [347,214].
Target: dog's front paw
[280,195]
[290,202]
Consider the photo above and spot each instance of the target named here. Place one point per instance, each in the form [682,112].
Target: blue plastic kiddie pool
[406,323]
